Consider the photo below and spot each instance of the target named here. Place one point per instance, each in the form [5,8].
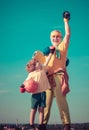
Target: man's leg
[49,98]
[62,102]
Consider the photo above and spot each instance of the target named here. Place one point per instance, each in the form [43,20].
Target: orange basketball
[30,85]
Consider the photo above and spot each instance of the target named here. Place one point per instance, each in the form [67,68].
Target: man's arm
[52,50]
[48,59]
[66,17]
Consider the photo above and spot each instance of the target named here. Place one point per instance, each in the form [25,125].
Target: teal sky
[25,26]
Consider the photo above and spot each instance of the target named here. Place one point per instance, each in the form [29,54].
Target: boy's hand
[22,88]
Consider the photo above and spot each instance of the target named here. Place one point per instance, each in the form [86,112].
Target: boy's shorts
[38,100]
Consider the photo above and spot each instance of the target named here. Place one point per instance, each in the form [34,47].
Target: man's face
[55,38]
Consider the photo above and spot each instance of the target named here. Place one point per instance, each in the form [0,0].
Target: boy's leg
[34,103]
[32,116]
[41,115]
[42,104]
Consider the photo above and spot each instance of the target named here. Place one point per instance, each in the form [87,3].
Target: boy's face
[38,66]
[55,38]
[31,66]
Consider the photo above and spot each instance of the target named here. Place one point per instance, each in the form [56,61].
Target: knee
[41,109]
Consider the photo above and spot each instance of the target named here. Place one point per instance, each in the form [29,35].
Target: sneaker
[44,127]
[67,127]
[72,129]
[41,127]
[32,127]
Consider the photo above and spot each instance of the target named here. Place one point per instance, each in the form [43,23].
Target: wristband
[65,20]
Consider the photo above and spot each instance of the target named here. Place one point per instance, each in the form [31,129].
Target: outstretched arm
[66,17]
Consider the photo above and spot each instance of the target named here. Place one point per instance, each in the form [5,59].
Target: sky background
[25,26]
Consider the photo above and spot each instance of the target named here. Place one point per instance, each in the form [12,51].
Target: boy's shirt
[41,78]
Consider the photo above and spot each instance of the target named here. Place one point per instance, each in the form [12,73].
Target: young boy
[37,73]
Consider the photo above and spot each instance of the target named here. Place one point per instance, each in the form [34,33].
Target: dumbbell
[66,14]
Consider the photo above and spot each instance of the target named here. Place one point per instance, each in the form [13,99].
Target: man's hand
[52,49]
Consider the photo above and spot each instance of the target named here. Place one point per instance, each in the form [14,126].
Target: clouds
[3,88]
[3,91]
[58,27]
